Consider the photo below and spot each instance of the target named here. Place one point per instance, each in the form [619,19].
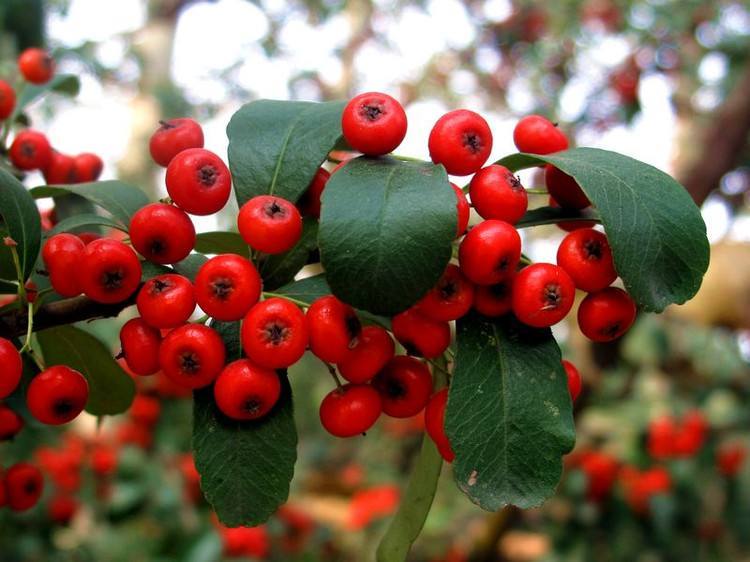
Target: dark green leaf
[22,221]
[77,221]
[275,147]
[280,269]
[111,390]
[66,84]
[509,416]
[554,215]
[385,234]
[656,232]
[306,290]
[121,199]
[221,243]
[149,270]
[190,265]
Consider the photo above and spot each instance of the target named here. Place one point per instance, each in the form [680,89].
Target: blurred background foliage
[658,473]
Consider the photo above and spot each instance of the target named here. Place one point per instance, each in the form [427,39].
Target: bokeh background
[663,81]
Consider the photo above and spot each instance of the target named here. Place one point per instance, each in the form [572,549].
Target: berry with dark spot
[198,181]
[405,386]
[586,256]
[30,150]
[494,300]
[244,391]
[497,193]
[269,224]
[420,335]
[24,485]
[10,423]
[333,327]
[461,141]
[36,65]
[172,137]
[373,123]
[543,295]
[166,301]
[109,271]
[350,410]
[450,298]
[87,167]
[227,286]
[192,355]
[374,348]
[162,233]
[57,395]
[606,315]
[490,252]
[274,333]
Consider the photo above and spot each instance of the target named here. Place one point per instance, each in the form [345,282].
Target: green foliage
[21,219]
[221,243]
[65,84]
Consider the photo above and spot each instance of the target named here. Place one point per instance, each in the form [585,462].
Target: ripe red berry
[145,410]
[140,346]
[463,210]
[574,379]
[434,422]
[405,386]
[373,350]
[166,301]
[450,299]
[24,484]
[110,271]
[12,368]
[172,137]
[36,65]
[538,135]
[244,391]
[62,255]
[192,355]
[7,100]
[333,328]
[564,189]
[461,141]
[568,226]
[729,459]
[350,410]
[227,286]
[606,315]
[269,224]
[420,335]
[494,300]
[57,395]
[274,333]
[10,423]
[62,509]
[198,181]
[30,150]
[373,123]
[490,252]
[103,460]
[60,170]
[87,167]
[543,294]
[309,203]
[586,256]
[162,233]
[497,193]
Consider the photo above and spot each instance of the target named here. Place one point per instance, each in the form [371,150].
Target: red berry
[350,410]
[538,135]
[490,252]
[496,193]
[7,100]
[309,203]
[543,294]
[57,395]
[586,256]
[564,189]
[244,391]
[730,458]
[36,65]
[60,170]
[103,460]
[494,300]
[434,422]
[574,379]
[373,123]
[166,301]
[270,224]
[333,327]
[30,150]
[463,210]
[110,271]
[606,315]
[405,386]
[274,333]
[450,299]
[568,226]
[192,355]
[62,509]
[420,335]
[198,181]
[172,137]
[373,350]
[661,437]
[227,286]
[87,167]
[62,255]
[461,141]
[24,484]
[145,410]
[162,233]
[10,423]
[140,346]
[12,368]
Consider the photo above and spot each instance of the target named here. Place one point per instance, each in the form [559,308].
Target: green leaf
[275,147]
[306,290]
[221,243]
[656,232]
[554,215]
[509,416]
[111,390]
[280,269]
[78,221]
[120,199]
[245,467]
[66,84]
[386,229]
[190,265]
[22,221]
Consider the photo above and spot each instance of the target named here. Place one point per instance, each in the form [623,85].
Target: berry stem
[332,371]
[280,296]
[537,191]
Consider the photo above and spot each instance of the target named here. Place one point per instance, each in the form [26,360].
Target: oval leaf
[275,147]
[120,199]
[656,232]
[386,229]
[221,243]
[22,221]
[509,416]
[86,219]
[111,390]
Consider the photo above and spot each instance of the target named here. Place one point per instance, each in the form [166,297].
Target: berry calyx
[574,379]
[192,355]
[269,224]
[373,350]
[57,395]
[166,301]
[420,335]
[490,252]
[24,484]
[350,410]
[333,328]
[405,386]
[542,295]
[198,181]
[606,315]
[450,299]
[30,150]
[172,137]
[586,256]
[538,135]
[36,65]
[373,123]
[226,286]
[564,189]
[109,271]
[274,333]
[461,141]
[140,344]
[12,368]
[497,193]
[434,422]
[162,233]
[244,391]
